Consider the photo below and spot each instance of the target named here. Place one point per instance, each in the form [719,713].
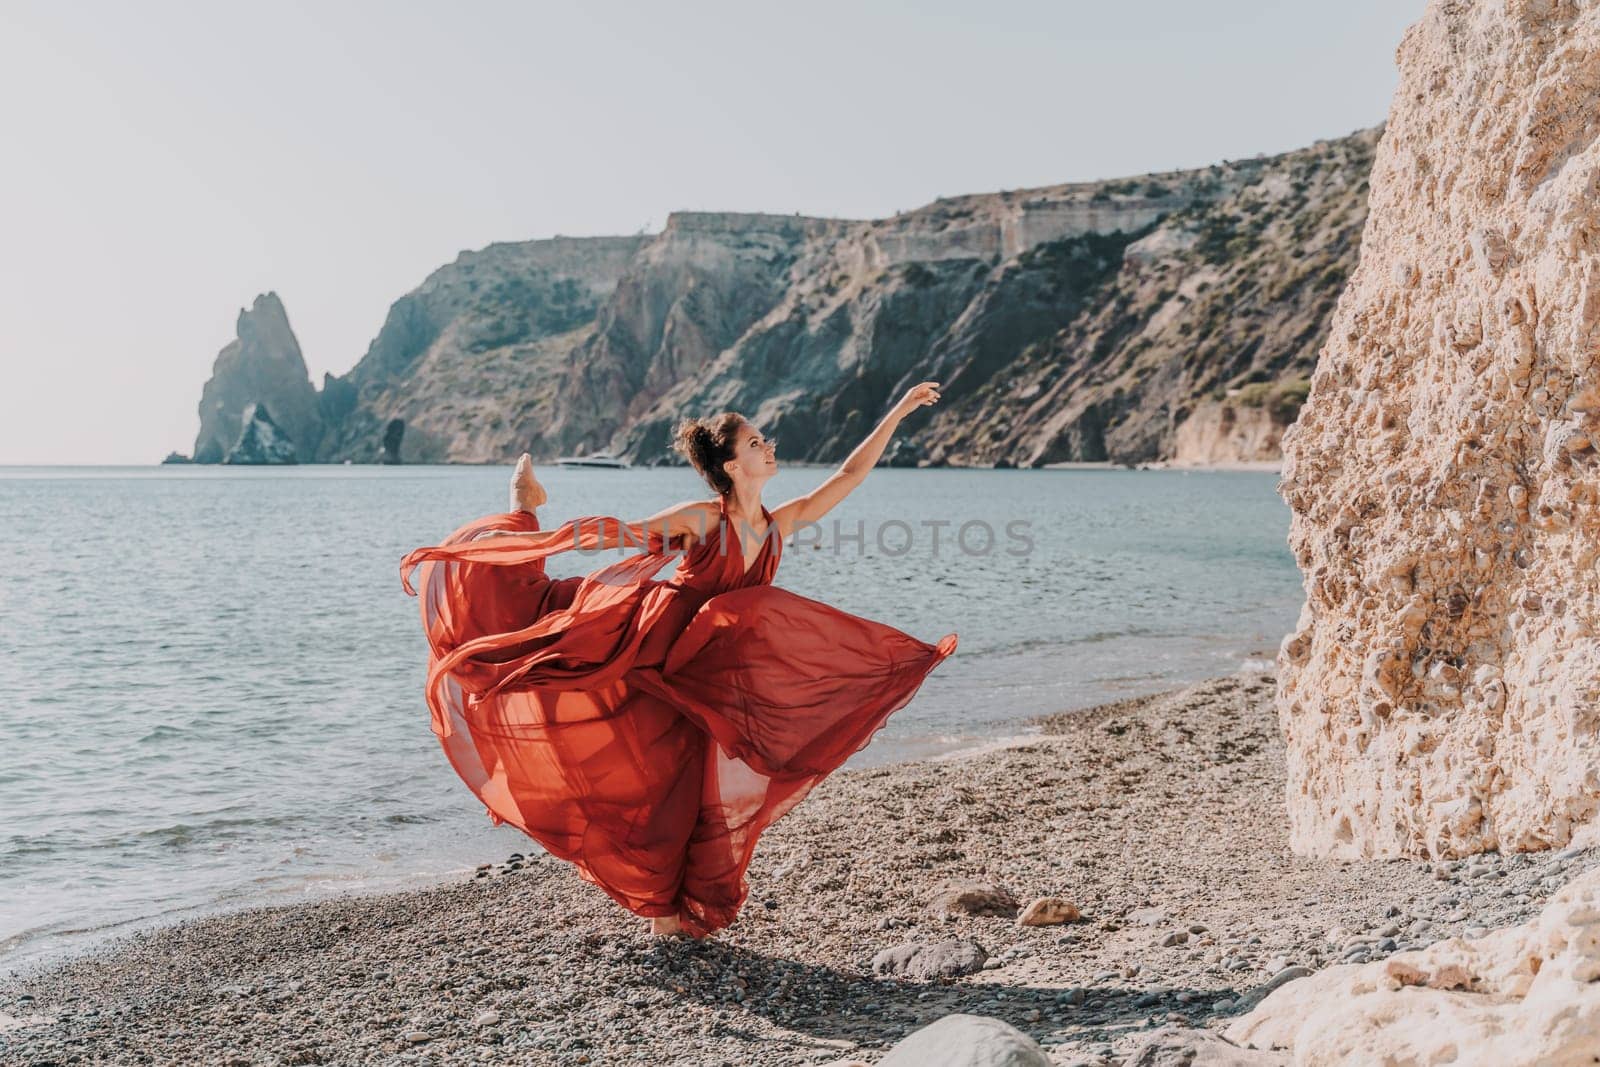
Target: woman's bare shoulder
[688,519]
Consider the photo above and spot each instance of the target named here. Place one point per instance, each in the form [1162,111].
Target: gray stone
[947,959]
[895,960]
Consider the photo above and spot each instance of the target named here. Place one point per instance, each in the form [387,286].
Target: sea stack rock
[261,440]
[262,365]
[1441,693]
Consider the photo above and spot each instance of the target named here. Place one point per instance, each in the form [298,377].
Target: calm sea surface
[214,679]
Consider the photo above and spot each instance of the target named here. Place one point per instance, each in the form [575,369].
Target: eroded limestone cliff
[1442,691]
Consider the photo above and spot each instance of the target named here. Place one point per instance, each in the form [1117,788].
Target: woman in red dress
[649,730]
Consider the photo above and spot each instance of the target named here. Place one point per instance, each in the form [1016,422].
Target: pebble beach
[1154,828]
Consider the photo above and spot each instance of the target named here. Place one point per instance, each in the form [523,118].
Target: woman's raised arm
[817,503]
[692,517]
[507,547]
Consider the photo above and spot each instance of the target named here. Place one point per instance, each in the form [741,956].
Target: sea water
[214,679]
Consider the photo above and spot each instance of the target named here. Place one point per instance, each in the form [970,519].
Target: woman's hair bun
[708,444]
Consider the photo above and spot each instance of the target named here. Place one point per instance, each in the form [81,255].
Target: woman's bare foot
[666,926]
[526,492]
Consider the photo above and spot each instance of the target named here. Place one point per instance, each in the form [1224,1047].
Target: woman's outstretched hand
[917,396]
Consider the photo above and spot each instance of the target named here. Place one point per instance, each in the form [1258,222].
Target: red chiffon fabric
[647,730]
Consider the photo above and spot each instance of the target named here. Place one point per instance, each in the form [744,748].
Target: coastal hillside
[1172,316]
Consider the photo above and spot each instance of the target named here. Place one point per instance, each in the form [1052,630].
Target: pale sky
[166,162]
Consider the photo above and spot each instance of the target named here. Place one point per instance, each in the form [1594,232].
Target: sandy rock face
[1442,691]
[1520,995]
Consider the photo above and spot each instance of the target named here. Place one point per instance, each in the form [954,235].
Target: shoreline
[64,946]
[1159,817]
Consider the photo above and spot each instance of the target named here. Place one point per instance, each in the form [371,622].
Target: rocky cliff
[689,296]
[1172,316]
[1076,322]
[1440,694]
[467,366]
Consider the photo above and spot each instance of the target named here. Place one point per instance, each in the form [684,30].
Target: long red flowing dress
[648,730]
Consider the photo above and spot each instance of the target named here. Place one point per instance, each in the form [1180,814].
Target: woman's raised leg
[526,492]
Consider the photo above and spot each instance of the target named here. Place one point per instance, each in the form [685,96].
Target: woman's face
[754,456]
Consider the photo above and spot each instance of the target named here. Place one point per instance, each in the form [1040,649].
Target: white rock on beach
[1439,696]
[1523,995]
[966,1041]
